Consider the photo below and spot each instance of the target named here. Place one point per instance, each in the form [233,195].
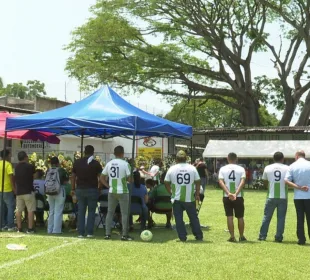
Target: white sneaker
[89,236]
[12,229]
[80,236]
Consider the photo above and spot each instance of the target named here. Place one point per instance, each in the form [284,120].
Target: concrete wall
[43,104]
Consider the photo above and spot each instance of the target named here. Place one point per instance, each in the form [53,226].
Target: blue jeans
[203,182]
[9,202]
[190,207]
[56,207]
[270,206]
[87,198]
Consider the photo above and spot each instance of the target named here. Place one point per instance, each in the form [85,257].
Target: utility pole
[65,91]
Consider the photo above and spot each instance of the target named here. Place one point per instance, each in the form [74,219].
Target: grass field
[67,257]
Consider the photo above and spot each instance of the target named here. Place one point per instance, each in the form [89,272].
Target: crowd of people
[179,188]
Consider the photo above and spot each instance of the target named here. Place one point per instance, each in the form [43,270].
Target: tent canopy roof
[254,149]
[102,114]
[25,134]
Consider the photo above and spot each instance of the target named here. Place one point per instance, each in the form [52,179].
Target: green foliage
[266,118]
[201,114]
[174,48]
[204,49]
[29,91]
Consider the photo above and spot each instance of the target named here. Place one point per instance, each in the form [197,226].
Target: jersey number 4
[232,175]
[183,178]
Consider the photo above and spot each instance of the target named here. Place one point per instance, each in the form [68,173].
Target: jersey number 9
[277,175]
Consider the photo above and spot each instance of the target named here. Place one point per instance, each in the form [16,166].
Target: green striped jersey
[232,174]
[118,170]
[275,175]
[182,178]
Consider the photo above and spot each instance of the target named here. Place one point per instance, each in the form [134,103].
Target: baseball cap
[181,154]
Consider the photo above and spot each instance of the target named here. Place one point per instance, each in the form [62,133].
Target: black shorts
[236,206]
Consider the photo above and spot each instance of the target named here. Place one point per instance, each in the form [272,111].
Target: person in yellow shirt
[8,192]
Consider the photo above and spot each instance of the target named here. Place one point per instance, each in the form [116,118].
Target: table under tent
[103,114]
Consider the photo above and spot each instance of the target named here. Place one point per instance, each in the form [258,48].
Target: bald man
[298,177]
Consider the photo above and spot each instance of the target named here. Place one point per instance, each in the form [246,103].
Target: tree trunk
[305,113]
[288,112]
[249,113]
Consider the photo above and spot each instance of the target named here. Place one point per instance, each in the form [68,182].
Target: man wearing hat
[183,182]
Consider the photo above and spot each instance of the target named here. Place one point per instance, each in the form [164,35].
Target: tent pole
[131,174]
[192,150]
[2,183]
[82,143]
[43,151]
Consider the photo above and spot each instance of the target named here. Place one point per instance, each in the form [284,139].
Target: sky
[34,32]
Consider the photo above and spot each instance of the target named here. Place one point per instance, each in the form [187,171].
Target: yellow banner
[150,152]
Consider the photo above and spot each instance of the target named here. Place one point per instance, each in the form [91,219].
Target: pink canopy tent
[25,134]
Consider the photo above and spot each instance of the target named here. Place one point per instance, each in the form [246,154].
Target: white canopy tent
[254,149]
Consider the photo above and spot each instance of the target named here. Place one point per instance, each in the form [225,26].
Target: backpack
[52,182]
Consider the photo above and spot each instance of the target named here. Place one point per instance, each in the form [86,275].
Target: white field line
[37,255]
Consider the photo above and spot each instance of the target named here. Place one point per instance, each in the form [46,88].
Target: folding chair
[154,209]
[69,207]
[42,206]
[136,206]
[102,208]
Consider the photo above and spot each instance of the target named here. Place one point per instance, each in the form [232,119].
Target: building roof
[16,110]
[244,130]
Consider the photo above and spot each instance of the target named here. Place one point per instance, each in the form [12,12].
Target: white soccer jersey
[182,177]
[155,170]
[118,170]
[232,174]
[275,174]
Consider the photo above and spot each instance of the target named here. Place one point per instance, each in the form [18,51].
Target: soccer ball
[146,235]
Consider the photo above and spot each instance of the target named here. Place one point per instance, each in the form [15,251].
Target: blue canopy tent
[103,114]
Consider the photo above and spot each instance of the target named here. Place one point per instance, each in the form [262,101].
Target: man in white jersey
[232,180]
[155,171]
[273,177]
[183,182]
[118,172]
[298,177]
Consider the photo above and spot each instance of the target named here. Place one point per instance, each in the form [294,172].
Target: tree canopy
[29,91]
[199,50]
[200,115]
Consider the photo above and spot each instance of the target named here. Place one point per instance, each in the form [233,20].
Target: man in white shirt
[118,172]
[232,180]
[155,171]
[298,177]
[273,176]
[183,182]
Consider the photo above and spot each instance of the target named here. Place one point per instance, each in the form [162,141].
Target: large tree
[293,77]
[194,49]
